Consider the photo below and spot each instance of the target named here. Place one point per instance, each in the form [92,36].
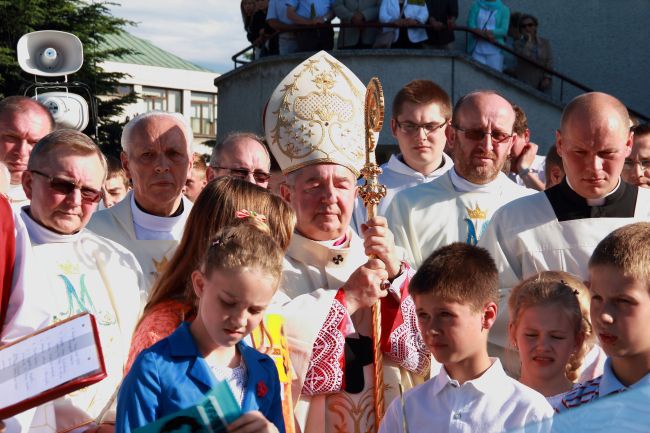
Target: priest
[314,125]
[559,228]
[457,206]
[83,272]
[149,221]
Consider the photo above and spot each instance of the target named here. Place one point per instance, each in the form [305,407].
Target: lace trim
[407,347]
[325,371]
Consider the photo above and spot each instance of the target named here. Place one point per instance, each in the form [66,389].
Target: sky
[205,32]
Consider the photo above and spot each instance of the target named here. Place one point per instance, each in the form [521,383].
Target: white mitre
[316,115]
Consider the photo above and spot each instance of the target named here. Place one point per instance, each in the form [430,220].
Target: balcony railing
[561,83]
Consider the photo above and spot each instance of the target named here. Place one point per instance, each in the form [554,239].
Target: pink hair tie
[245,213]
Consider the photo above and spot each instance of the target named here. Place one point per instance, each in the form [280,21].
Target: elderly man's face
[45,186]
[323,197]
[593,152]
[478,156]
[19,132]
[158,162]
[245,159]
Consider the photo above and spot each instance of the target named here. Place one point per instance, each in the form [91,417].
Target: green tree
[90,22]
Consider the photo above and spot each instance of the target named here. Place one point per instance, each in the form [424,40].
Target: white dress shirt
[492,403]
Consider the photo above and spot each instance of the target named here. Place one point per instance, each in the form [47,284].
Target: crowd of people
[510,286]
[270,27]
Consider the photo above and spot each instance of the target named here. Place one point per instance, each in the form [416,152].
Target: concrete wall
[603,44]
[243,93]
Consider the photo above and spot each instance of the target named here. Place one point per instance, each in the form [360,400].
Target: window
[204,113]
[122,90]
[162,99]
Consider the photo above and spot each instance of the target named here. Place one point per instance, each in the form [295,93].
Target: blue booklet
[218,409]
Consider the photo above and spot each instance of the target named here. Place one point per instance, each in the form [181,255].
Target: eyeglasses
[414,128]
[478,134]
[629,164]
[242,173]
[65,187]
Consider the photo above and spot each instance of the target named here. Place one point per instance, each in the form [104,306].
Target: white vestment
[317,323]
[438,213]
[17,196]
[87,273]
[396,176]
[116,224]
[27,308]
[527,237]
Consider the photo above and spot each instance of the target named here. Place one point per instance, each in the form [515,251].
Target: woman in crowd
[536,48]
[490,18]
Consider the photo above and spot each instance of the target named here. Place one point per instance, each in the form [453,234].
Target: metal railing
[557,77]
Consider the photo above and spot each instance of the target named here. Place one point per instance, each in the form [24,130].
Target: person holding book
[456,293]
[82,271]
[233,285]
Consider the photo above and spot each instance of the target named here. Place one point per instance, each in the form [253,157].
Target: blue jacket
[172,375]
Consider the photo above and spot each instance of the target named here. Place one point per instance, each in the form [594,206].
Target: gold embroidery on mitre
[477,213]
[322,120]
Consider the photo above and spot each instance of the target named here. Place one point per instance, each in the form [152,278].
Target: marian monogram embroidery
[79,301]
[477,222]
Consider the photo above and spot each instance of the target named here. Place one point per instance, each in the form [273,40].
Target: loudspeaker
[50,53]
[68,109]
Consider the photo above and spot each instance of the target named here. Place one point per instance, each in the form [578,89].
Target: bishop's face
[323,197]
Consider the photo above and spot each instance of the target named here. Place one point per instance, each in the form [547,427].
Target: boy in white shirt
[620,311]
[456,294]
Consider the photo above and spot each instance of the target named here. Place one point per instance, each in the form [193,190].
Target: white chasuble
[87,273]
[320,331]
[536,234]
[116,223]
[432,215]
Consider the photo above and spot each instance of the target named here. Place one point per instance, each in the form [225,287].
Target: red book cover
[50,363]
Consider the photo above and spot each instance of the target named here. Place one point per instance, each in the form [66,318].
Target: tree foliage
[90,21]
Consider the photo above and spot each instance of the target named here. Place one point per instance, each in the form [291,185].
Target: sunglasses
[478,134]
[242,173]
[528,25]
[65,187]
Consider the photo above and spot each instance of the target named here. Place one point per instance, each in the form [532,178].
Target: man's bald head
[594,139]
[241,154]
[478,117]
[22,105]
[593,107]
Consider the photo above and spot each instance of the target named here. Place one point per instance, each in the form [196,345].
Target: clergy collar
[157,223]
[39,235]
[569,205]
[463,185]
[600,200]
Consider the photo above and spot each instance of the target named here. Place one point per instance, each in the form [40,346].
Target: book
[52,362]
[218,409]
